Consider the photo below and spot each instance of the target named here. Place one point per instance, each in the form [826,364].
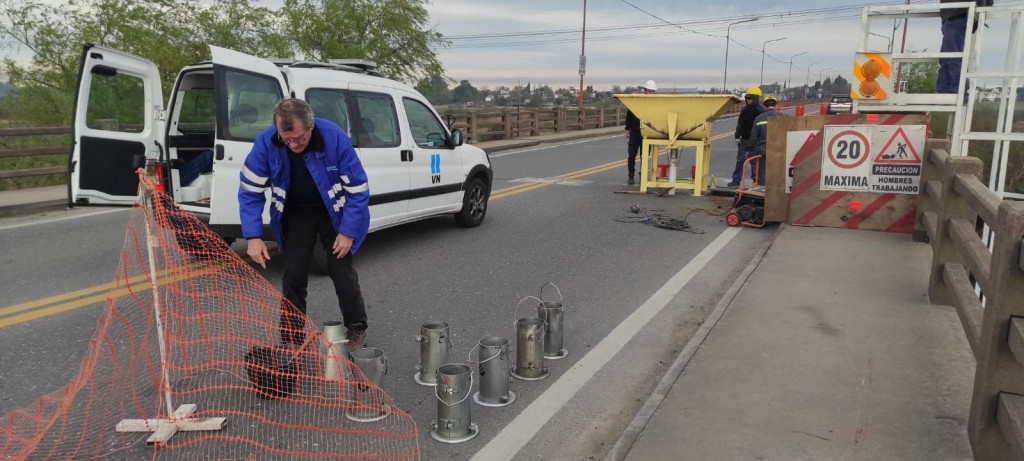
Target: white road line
[521,430]
[59,219]
[552,146]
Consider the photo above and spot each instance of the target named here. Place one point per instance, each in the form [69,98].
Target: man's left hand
[342,243]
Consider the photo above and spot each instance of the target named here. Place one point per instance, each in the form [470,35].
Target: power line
[697,27]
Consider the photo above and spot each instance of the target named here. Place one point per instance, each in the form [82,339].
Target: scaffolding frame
[962,114]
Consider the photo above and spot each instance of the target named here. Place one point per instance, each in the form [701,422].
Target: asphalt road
[566,231]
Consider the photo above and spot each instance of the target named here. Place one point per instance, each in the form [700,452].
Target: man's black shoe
[734,184]
[631,181]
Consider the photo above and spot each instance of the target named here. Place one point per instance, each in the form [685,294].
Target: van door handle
[406,155]
[220,152]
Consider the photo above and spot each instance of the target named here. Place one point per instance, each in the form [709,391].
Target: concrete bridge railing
[963,219]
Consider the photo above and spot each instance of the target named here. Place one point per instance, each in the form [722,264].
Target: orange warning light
[856,205]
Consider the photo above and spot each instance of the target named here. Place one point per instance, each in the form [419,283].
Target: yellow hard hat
[770,99]
[754,91]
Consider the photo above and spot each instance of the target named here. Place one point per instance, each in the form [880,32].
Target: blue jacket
[759,133]
[335,169]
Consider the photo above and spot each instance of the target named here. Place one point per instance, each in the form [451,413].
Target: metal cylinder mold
[495,380]
[530,349]
[434,345]
[552,313]
[374,365]
[454,422]
[334,334]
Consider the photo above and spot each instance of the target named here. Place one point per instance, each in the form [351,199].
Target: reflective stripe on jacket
[336,171]
[759,133]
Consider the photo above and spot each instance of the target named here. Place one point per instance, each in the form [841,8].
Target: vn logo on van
[435,168]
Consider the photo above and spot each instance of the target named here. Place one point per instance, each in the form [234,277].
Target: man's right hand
[627,133]
[257,250]
[738,141]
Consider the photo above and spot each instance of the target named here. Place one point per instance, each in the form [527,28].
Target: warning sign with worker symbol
[846,158]
[896,166]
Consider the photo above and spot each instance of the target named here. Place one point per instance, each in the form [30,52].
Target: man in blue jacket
[318,190]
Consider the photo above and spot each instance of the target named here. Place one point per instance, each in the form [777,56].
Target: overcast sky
[677,43]
[630,41]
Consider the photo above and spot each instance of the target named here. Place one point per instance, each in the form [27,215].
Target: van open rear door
[247,89]
[118,105]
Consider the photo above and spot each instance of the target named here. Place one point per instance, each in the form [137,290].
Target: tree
[435,89]
[464,93]
[391,33]
[171,34]
[174,34]
[920,77]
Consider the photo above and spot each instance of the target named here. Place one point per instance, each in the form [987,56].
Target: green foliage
[464,93]
[920,77]
[435,89]
[174,34]
[391,33]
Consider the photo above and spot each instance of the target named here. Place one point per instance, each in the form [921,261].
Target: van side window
[249,100]
[379,120]
[426,129]
[117,102]
[330,105]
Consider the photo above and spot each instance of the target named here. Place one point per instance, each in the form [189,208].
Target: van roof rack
[359,66]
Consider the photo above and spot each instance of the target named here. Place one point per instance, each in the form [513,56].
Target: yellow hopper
[674,121]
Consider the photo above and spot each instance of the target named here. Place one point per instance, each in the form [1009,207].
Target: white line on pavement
[34,222]
[552,146]
[520,430]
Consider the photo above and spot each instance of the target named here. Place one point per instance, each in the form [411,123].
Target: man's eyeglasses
[748,97]
[295,140]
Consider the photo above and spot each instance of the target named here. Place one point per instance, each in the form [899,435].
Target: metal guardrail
[949,207]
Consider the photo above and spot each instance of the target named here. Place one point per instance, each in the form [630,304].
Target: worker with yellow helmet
[744,123]
[758,143]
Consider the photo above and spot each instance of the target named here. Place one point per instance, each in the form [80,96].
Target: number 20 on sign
[844,164]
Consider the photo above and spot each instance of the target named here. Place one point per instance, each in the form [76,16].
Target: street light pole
[822,82]
[761,81]
[807,83]
[725,74]
[789,80]
[888,45]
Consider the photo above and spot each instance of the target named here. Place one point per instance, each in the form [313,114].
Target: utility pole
[583,62]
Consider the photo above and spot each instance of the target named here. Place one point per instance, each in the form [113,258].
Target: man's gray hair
[289,110]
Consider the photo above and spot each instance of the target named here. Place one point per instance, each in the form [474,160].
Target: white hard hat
[650,85]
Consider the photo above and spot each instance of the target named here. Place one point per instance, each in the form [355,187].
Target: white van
[417,167]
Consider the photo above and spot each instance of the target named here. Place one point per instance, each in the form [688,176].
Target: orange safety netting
[206,378]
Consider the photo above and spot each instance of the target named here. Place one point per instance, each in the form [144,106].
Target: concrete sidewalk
[829,350]
[41,199]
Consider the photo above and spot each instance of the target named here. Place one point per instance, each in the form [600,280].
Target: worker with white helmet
[633,132]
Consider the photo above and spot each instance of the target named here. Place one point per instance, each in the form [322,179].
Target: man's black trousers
[301,232]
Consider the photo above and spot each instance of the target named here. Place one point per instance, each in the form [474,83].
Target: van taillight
[158,171]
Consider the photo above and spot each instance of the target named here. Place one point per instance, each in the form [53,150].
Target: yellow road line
[80,298]
[203,269]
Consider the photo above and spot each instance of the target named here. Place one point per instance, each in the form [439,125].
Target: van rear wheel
[474,204]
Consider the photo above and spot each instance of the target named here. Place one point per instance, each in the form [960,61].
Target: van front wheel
[474,204]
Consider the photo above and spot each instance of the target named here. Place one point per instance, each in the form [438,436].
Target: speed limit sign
[845,165]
